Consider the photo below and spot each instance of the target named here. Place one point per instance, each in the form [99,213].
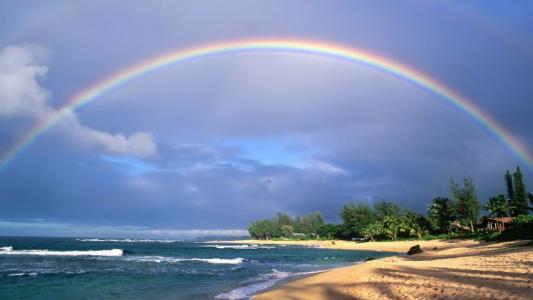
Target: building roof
[502,220]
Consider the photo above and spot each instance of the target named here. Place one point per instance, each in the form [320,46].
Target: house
[498,224]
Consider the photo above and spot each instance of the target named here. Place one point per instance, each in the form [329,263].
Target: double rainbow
[323,49]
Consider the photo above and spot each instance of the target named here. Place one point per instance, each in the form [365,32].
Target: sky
[204,147]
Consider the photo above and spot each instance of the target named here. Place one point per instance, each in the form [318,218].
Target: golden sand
[398,246]
[458,270]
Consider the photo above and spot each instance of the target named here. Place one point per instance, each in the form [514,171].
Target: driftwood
[457,225]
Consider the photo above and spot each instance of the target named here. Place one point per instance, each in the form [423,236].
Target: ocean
[89,268]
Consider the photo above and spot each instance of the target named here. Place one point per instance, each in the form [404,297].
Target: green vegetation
[509,185]
[522,228]
[466,202]
[520,201]
[440,213]
[497,206]
[355,217]
[285,226]
[516,193]
[455,217]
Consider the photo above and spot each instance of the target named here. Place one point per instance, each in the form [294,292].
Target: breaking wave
[45,252]
[127,240]
[240,247]
[260,283]
[263,282]
[164,259]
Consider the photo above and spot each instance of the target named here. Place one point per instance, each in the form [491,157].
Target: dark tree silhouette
[519,203]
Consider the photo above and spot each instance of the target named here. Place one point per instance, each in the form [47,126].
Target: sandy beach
[389,246]
[458,270]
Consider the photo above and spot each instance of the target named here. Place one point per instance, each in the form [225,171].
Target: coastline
[387,246]
[466,269]
[280,283]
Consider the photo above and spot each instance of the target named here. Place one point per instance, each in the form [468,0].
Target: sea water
[89,268]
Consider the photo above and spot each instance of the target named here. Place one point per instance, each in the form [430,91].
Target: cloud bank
[43,228]
[21,95]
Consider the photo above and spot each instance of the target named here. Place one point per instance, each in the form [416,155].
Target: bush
[523,220]
[520,229]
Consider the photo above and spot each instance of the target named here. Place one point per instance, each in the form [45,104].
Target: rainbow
[317,48]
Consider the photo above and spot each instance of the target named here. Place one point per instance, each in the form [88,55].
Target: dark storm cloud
[246,136]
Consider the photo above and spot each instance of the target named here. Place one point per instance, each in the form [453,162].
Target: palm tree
[441,212]
[392,226]
[498,206]
[414,224]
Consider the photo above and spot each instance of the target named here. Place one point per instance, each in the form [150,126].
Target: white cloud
[22,96]
[140,144]
[20,93]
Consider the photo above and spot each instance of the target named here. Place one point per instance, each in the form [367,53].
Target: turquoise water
[70,268]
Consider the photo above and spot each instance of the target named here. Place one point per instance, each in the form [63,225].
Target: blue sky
[212,144]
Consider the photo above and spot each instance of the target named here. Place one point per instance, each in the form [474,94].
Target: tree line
[286,226]
[387,220]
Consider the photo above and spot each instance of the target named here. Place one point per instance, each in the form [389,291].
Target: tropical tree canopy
[441,213]
[355,216]
[497,206]
[519,201]
[466,201]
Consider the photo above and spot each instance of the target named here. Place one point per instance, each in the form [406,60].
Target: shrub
[521,228]
[522,220]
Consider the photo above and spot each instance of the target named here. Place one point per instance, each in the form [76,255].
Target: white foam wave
[127,240]
[35,272]
[45,252]
[260,283]
[22,274]
[265,281]
[164,259]
[230,261]
[240,247]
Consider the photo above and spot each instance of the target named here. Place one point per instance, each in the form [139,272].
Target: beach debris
[414,250]
[457,225]
[369,258]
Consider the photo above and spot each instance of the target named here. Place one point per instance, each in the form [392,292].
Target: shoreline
[291,278]
[473,270]
[396,248]
[400,247]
